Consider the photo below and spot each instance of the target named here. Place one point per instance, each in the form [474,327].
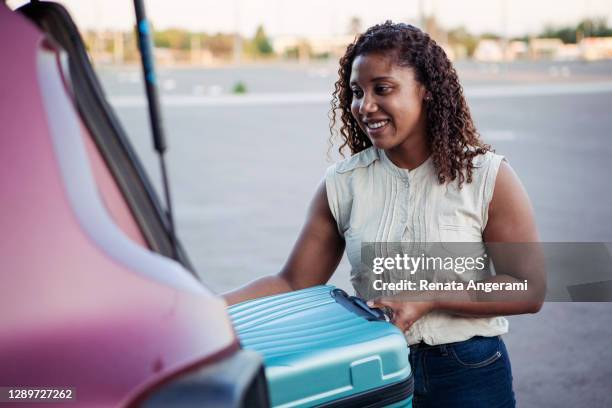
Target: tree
[220,45]
[261,42]
[595,27]
[565,34]
[461,37]
[173,38]
[490,36]
[590,27]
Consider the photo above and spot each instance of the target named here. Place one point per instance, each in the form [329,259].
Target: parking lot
[243,171]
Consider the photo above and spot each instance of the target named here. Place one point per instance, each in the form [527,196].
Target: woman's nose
[368,105]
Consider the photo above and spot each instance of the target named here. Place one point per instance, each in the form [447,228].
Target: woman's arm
[312,261]
[511,221]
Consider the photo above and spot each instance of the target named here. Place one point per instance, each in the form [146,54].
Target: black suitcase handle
[358,306]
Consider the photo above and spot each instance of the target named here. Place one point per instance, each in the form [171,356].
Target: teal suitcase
[323,348]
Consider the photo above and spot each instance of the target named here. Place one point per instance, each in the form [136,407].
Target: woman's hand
[403,312]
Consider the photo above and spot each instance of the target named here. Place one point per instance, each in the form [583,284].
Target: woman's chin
[381,143]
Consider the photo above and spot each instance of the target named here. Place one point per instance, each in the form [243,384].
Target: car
[99,301]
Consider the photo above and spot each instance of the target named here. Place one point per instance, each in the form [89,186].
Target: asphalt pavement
[243,172]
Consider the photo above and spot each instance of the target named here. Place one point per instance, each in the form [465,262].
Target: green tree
[221,45]
[461,36]
[261,42]
[590,27]
[565,34]
[595,27]
[490,36]
[173,38]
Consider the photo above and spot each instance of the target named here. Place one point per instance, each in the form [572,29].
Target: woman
[418,173]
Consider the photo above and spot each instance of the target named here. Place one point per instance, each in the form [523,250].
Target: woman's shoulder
[485,167]
[342,180]
[363,159]
[487,159]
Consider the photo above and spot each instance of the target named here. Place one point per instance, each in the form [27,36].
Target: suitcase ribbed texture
[315,350]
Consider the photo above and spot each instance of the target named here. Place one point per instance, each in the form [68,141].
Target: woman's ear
[424,93]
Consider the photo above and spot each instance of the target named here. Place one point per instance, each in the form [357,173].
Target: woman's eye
[383,89]
[357,92]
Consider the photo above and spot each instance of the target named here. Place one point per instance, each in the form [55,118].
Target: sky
[329,17]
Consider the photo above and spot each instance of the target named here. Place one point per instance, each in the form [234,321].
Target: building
[545,48]
[489,50]
[595,48]
[312,46]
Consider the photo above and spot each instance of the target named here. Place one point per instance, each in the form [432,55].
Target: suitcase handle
[358,306]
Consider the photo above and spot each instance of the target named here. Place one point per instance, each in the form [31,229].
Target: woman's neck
[409,156]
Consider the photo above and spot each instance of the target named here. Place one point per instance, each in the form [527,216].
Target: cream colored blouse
[372,200]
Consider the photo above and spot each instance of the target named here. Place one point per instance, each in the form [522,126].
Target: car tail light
[237,381]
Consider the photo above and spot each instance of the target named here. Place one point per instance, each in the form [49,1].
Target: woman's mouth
[377,127]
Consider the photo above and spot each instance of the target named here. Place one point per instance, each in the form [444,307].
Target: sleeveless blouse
[373,200]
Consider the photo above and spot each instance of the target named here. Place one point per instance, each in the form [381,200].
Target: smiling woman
[418,171]
[418,174]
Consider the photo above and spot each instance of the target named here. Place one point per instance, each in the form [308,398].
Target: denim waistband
[424,346]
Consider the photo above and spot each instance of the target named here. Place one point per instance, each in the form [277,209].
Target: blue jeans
[471,373]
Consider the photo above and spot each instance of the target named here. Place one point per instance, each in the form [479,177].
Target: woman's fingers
[381,302]
[403,323]
[389,306]
[398,311]
[375,303]
[398,319]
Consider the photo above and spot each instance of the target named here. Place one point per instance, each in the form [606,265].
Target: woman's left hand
[404,312]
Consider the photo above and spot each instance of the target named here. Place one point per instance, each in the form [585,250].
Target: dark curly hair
[451,134]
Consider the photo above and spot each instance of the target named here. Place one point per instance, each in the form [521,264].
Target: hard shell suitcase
[324,348]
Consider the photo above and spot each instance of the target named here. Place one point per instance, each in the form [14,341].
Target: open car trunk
[91,298]
[111,142]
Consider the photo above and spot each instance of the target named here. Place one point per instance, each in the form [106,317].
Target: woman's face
[387,102]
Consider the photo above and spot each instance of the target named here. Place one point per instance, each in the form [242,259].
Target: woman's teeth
[376,125]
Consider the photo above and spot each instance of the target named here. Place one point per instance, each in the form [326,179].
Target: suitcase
[324,348]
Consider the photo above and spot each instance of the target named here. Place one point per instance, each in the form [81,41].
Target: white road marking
[510,91]
[304,98]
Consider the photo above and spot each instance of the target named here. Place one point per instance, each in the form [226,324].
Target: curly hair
[451,134]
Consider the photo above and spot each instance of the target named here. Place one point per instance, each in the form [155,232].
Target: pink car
[96,300]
